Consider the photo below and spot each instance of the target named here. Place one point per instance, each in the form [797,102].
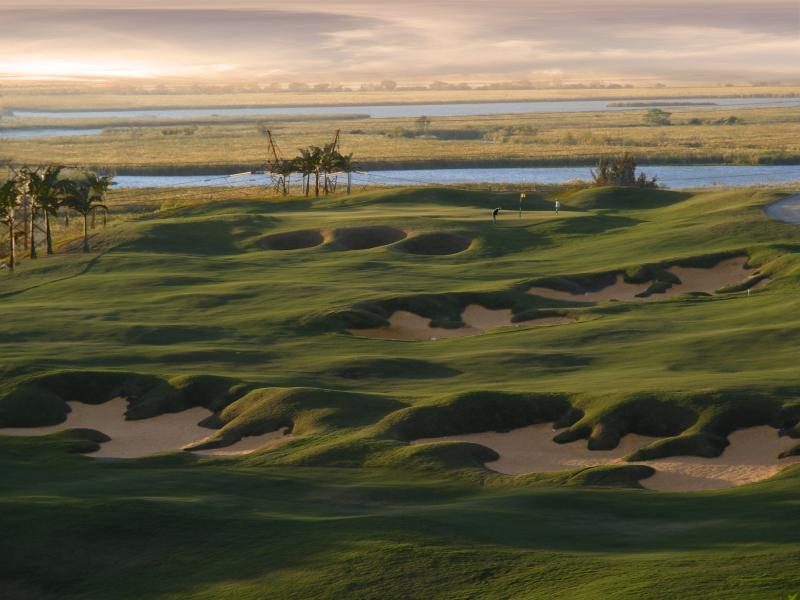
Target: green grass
[182,307]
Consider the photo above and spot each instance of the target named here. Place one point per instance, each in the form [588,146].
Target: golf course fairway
[331,398]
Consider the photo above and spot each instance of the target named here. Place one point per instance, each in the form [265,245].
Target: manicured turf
[186,307]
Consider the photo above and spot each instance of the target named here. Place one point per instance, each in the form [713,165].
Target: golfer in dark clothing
[495,212]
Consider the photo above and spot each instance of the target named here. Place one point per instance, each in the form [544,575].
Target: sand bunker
[727,272]
[361,238]
[619,290]
[134,439]
[437,244]
[293,240]
[751,456]
[404,325]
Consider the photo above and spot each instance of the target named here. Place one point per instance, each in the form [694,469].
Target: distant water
[46,132]
[402,110]
[671,176]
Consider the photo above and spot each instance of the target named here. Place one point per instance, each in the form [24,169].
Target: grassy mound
[293,240]
[43,400]
[436,244]
[301,410]
[474,412]
[624,198]
[363,238]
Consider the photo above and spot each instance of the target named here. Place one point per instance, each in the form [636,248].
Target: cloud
[417,39]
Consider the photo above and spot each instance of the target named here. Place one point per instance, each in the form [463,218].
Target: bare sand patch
[404,325]
[752,456]
[619,290]
[725,273]
[129,439]
[249,444]
[170,432]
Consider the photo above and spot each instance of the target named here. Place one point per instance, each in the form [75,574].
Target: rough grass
[765,136]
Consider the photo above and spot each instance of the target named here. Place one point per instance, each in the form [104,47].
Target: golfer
[495,212]
[558,205]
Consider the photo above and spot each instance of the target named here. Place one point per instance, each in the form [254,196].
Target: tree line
[32,197]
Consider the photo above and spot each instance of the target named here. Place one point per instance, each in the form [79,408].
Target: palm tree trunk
[32,234]
[349,182]
[307,183]
[12,251]
[25,227]
[86,232]
[66,218]
[316,184]
[48,233]
[94,214]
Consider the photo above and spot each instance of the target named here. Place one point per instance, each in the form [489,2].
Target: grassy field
[183,306]
[759,135]
[59,97]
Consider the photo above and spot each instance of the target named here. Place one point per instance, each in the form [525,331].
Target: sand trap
[727,272]
[249,444]
[404,325]
[437,244]
[129,439]
[134,439]
[619,290]
[751,456]
[362,238]
[293,240]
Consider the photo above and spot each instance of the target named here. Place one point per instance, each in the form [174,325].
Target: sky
[414,40]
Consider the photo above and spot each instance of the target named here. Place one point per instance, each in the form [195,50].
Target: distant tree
[656,116]
[423,123]
[388,85]
[620,170]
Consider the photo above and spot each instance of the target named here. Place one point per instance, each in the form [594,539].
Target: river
[406,110]
[669,175]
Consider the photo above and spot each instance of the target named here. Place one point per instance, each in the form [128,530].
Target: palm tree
[329,160]
[85,196]
[346,164]
[46,188]
[10,199]
[310,163]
